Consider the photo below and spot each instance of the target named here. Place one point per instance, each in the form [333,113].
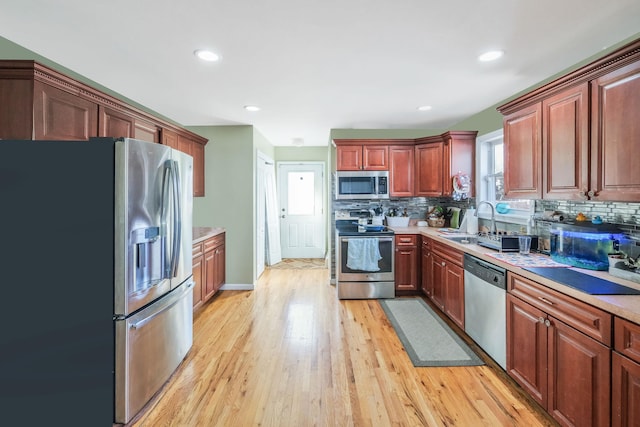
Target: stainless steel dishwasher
[485,307]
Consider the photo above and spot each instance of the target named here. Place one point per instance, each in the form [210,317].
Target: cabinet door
[522,153]
[198,278]
[527,348]
[401,171]
[614,135]
[579,377]
[169,138]
[197,151]
[427,270]
[428,170]
[454,293]
[115,123]
[375,157]
[219,267]
[438,273]
[59,115]
[565,144]
[146,131]
[349,157]
[406,275]
[625,395]
[209,274]
[185,144]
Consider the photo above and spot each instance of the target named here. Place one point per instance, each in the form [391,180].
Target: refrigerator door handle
[177,219]
[164,212]
[176,299]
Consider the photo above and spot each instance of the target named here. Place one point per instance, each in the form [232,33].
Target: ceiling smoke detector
[298,142]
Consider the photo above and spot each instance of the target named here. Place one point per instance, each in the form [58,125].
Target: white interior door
[302,225]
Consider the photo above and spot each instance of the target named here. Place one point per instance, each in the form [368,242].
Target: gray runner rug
[427,339]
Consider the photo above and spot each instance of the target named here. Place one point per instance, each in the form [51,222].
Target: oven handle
[381,239]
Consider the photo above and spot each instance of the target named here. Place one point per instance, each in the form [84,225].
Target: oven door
[385,265]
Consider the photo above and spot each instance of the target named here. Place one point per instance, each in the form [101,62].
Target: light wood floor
[290,353]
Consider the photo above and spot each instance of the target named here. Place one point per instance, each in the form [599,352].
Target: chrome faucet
[493,215]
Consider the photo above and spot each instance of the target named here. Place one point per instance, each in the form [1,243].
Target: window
[490,181]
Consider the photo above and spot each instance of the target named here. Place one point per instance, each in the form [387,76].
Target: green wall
[229,200]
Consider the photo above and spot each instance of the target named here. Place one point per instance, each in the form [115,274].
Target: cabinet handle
[591,193]
[583,194]
[547,323]
[544,300]
[541,319]
[444,264]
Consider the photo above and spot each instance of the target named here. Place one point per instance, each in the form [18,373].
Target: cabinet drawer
[448,253]
[587,319]
[406,240]
[213,242]
[197,249]
[627,338]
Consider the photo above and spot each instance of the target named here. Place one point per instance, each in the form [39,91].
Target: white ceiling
[316,65]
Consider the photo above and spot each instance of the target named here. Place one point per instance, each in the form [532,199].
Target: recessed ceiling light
[492,55]
[252,108]
[206,55]
[424,108]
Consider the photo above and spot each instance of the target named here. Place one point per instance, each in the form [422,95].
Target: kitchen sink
[463,239]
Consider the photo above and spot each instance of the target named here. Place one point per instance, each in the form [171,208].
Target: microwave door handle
[177,219]
[164,212]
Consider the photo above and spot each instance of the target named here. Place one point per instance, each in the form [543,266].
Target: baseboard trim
[237,287]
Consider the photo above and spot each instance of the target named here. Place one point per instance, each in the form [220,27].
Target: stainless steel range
[364,261]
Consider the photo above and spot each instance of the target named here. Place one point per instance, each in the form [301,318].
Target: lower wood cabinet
[426,282]
[625,375]
[208,268]
[565,370]
[445,280]
[407,262]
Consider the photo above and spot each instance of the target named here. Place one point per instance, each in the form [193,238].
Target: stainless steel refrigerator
[98,237]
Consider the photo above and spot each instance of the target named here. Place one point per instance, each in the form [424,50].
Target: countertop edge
[624,306]
[201,234]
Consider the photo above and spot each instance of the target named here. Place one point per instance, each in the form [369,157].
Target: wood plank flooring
[290,353]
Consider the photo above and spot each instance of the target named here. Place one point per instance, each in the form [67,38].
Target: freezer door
[149,347]
[141,230]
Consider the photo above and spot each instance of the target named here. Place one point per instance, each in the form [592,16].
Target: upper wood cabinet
[37,102]
[615,134]
[523,153]
[359,156]
[428,169]
[439,158]
[565,144]
[59,115]
[572,139]
[401,170]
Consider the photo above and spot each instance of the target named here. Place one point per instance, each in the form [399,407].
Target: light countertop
[625,306]
[204,233]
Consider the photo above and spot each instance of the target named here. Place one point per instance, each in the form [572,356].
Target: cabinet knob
[541,319]
[444,264]
[591,193]
[583,194]
[547,323]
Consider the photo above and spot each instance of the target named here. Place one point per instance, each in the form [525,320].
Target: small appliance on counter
[504,242]
[584,245]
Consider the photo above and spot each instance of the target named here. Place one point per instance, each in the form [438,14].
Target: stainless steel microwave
[362,185]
